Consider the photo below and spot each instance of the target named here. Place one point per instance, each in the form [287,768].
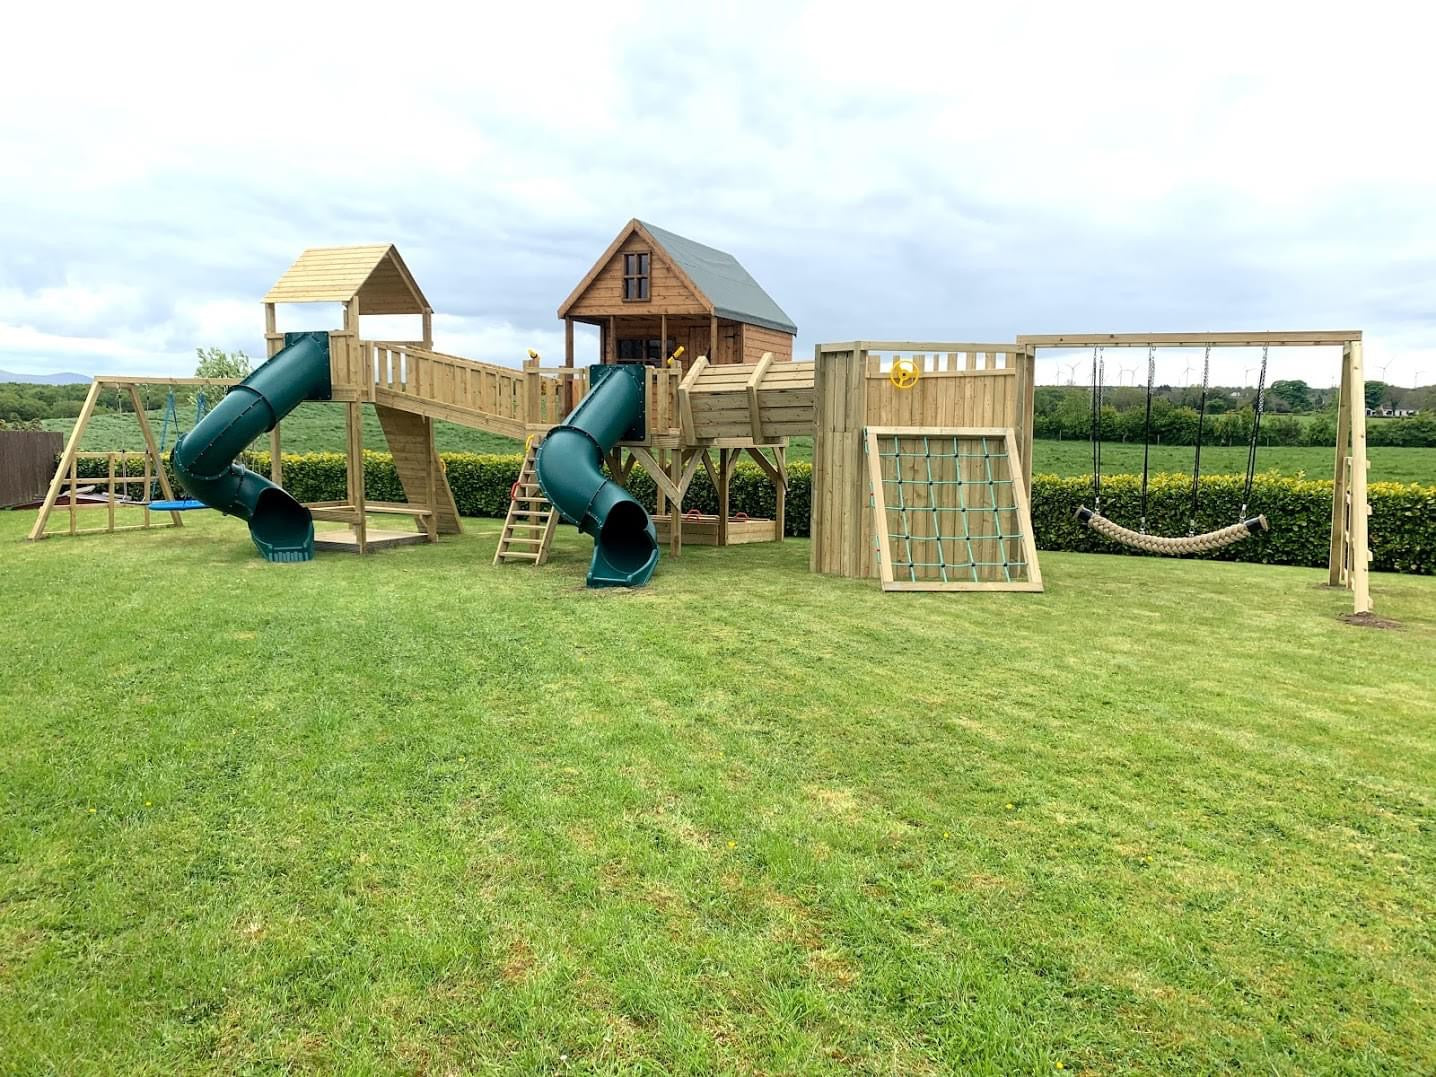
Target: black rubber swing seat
[1203,543]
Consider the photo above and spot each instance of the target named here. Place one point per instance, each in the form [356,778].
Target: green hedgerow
[1403,519]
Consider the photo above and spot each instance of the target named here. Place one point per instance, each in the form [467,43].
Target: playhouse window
[645,351]
[635,277]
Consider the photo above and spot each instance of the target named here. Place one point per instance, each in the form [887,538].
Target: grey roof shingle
[728,286]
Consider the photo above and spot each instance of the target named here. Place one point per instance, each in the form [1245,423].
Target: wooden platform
[347,542]
[703,530]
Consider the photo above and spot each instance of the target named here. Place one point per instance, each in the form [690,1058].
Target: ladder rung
[518,555]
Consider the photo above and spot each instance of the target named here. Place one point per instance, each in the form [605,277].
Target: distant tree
[217,363]
[1375,393]
[1294,393]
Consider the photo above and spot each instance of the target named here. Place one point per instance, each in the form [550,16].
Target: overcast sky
[885,171]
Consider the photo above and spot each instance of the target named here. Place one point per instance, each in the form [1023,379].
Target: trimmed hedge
[1403,518]
[1402,527]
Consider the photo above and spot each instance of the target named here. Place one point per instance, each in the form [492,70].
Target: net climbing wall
[949,510]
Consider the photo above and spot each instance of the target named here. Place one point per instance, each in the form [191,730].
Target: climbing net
[949,509]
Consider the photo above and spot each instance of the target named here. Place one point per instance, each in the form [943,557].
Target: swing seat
[1203,543]
[186,505]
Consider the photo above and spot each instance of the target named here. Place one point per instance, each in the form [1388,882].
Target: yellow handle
[678,351]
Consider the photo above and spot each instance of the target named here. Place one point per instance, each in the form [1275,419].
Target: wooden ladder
[532,519]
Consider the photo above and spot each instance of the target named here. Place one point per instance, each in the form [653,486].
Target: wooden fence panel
[27,462]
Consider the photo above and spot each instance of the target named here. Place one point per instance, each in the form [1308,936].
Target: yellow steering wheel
[904,373]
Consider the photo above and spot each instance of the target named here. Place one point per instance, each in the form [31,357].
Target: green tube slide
[205,457]
[569,468]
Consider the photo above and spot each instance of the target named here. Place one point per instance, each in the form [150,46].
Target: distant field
[1075,458]
[320,428]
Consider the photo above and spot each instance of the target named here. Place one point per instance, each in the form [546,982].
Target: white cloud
[935,170]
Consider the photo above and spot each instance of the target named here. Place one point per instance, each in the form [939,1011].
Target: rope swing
[1192,542]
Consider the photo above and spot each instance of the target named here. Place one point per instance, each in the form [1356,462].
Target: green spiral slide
[569,465]
[205,457]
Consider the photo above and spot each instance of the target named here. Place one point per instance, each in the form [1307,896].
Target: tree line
[22,403]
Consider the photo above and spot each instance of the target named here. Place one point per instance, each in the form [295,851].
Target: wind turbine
[1072,372]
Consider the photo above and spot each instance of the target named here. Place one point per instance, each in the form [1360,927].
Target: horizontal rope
[959,565]
[947,481]
[953,508]
[942,456]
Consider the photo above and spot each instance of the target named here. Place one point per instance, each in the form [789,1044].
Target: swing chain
[1098,372]
[1197,457]
[1259,409]
[1147,430]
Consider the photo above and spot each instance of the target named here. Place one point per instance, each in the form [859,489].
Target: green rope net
[951,514]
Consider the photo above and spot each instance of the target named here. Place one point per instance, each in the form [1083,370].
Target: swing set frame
[64,486]
[1349,559]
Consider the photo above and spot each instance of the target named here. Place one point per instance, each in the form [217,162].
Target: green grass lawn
[420,813]
[320,428]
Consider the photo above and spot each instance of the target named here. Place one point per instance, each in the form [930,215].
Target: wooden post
[149,485]
[354,423]
[273,338]
[840,488]
[74,479]
[66,465]
[714,355]
[780,491]
[431,477]
[1337,557]
[1360,510]
[725,462]
[428,317]
[663,340]
[110,494]
[532,389]
[675,515]
[1027,378]
[610,341]
[755,415]
[568,397]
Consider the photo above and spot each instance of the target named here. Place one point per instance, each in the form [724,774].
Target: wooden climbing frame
[67,481]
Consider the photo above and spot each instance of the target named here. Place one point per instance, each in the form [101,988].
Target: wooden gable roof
[374,274]
[715,278]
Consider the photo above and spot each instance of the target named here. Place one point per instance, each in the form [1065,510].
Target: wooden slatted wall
[960,385]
